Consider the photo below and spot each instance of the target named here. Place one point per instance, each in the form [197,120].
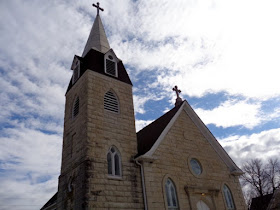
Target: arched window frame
[114,163]
[171,195]
[229,201]
[76,107]
[111,102]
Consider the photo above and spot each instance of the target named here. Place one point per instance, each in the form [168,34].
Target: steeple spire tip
[98,8]
[97,38]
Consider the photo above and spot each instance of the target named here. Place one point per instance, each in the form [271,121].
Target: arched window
[111,102]
[171,195]
[114,162]
[228,198]
[202,206]
[75,109]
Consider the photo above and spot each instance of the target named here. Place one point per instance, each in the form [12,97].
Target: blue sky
[223,55]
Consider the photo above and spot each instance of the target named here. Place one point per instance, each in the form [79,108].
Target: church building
[173,163]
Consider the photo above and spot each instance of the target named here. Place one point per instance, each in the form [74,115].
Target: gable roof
[150,137]
[149,134]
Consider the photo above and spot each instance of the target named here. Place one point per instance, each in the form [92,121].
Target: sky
[223,55]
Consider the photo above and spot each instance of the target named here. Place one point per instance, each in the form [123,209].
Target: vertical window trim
[170,196]
[113,164]
[228,197]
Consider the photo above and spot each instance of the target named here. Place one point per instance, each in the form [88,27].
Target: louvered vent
[111,67]
[111,102]
[76,107]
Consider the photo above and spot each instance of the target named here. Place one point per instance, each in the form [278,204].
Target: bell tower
[99,139]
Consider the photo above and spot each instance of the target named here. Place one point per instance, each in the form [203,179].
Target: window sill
[115,177]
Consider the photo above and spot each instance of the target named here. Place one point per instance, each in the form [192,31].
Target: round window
[196,166]
[111,57]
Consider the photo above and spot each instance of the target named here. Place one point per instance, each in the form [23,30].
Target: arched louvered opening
[76,106]
[111,102]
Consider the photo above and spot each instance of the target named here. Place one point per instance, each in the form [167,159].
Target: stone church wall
[87,139]
[106,129]
[172,158]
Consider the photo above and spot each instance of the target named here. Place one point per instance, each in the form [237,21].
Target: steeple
[97,38]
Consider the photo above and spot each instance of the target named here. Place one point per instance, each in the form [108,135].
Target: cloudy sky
[222,54]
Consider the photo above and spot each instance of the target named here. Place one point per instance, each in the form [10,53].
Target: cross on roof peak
[98,7]
[177,91]
[178,99]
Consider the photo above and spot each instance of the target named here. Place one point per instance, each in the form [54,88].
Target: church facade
[173,163]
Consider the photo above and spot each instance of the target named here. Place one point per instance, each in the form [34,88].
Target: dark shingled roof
[50,202]
[149,134]
[94,60]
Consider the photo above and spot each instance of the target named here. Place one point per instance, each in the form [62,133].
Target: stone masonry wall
[183,142]
[87,139]
[106,129]
[71,188]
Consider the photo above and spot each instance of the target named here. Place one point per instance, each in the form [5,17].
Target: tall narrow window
[114,162]
[228,198]
[171,196]
[111,102]
[76,106]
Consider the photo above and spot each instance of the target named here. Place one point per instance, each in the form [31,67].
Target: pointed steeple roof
[97,38]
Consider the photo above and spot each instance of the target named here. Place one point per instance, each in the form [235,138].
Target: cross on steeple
[177,91]
[178,99]
[98,8]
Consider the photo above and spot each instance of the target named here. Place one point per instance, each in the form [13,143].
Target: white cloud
[233,113]
[140,97]
[139,103]
[30,162]
[141,124]
[263,145]
[212,49]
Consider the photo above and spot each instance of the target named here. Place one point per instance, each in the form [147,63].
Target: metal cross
[98,8]
[177,91]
